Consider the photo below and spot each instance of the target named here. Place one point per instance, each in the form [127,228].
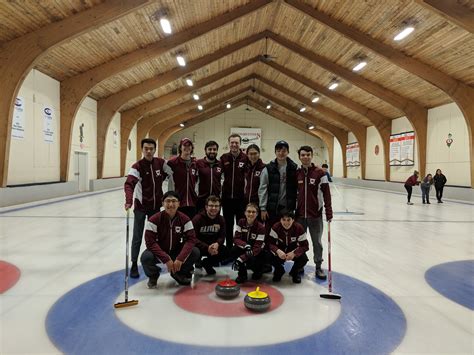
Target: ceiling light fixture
[195,96]
[189,82]
[200,108]
[333,84]
[302,108]
[405,32]
[181,61]
[182,124]
[269,105]
[228,105]
[315,98]
[310,126]
[165,25]
[359,66]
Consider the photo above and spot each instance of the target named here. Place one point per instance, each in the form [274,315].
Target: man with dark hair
[233,203]
[209,174]
[170,240]
[252,174]
[313,192]
[325,168]
[288,242]
[183,176]
[277,191]
[145,180]
[209,226]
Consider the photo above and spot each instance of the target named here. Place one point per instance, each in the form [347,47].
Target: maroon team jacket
[412,181]
[234,175]
[252,181]
[164,236]
[253,235]
[146,179]
[313,191]
[184,180]
[208,231]
[287,240]
[209,178]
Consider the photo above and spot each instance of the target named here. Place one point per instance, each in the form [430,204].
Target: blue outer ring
[83,321]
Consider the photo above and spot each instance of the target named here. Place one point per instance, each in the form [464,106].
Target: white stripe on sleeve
[151,227]
[188,226]
[134,172]
[261,237]
[273,234]
[238,229]
[302,237]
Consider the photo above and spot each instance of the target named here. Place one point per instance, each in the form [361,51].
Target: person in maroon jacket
[145,179]
[209,174]
[252,174]
[233,201]
[248,249]
[183,177]
[209,226]
[313,192]
[288,242]
[411,181]
[170,240]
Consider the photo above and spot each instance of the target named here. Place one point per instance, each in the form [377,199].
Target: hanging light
[314,98]
[269,105]
[405,32]
[165,25]
[195,96]
[189,81]
[310,126]
[359,66]
[200,108]
[302,108]
[333,84]
[182,124]
[228,105]
[181,61]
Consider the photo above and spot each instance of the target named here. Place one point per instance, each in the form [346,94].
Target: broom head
[126,304]
[330,296]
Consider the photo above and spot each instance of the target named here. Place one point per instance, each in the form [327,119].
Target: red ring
[9,275]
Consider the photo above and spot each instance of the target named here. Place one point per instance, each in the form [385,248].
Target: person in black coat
[439,182]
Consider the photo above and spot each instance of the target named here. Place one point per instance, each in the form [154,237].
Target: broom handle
[126,256]
[329,258]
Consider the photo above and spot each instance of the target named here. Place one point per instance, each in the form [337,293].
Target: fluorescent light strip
[303,109]
[165,25]
[333,86]
[315,99]
[359,66]
[406,31]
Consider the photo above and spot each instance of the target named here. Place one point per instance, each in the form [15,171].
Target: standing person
[252,175]
[426,187]
[183,176]
[209,175]
[278,188]
[439,182]
[209,226]
[288,242]
[170,240]
[411,181]
[233,203]
[248,249]
[313,191]
[145,180]
[325,168]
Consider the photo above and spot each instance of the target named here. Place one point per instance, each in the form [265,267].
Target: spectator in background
[426,187]
[325,168]
[411,181]
[439,182]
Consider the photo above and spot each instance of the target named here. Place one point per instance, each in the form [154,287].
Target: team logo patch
[177,229]
[257,173]
[193,172]
[218,170]
[244,230]
[293,239]
[253,236]
[312,181]
[158,172]
[241,164]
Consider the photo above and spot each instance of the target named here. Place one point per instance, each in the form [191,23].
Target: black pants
[409,190]
[149,261]
[214,260]
[138,227]
[188,211]
[254,263]
[232,208]
[439,192]
[298,263]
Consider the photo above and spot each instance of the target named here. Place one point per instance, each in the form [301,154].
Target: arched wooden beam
[458,12]
[416,114]
[17,58]
[461,93]
[381,123]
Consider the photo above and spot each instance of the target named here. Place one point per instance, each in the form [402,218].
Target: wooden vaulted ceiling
[309,54]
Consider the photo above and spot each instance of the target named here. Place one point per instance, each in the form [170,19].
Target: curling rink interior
[405,274]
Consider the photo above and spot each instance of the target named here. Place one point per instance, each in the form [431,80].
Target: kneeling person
[209,226]
[170,240]
[248,245]
[288,242]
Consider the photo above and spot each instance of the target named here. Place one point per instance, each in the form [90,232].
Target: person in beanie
[209,226]
[313,192]
[209,175]
[277,190]
[411,181]
[145,179]
[233,203]
[426,187]
[183,177]
[252,175]
[288,242]
[439,182]
[170,240]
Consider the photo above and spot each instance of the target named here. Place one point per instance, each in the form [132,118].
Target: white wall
[132,153]
[31,159]
[374,168]
[338,169]
[401,173]
[112,149]
[218,129]
[453,160]
[353,172]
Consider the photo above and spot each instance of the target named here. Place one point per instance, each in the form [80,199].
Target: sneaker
[134,271]
[277,275]
[152,281]
[181,279]
[424,202]
[320,274]
[429,203]
[410,203]
[242,277]
[440,201]
[256,276]
[296,278]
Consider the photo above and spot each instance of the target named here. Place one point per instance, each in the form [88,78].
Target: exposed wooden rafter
[459,12]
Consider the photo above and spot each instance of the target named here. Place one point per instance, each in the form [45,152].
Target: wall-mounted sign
[402,147]
[249,136]
[48,124]
[352,154]
[18,121]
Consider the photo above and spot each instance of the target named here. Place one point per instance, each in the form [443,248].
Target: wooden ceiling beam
[18,57]
[459,12]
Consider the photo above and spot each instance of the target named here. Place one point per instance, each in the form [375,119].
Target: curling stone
[227,289]
[257,301]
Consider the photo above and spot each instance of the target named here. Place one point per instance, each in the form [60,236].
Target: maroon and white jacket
[313,192]
[183,180]
[288,240]
[145,179]
[252,181]
[253,235]
[412,181]
[165,236]
[209,175]
[234,175]
[208,230]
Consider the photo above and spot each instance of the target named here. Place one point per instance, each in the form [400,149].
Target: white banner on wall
[249,136]
[18,122]
[402,148]
[352,154]
[48,124]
